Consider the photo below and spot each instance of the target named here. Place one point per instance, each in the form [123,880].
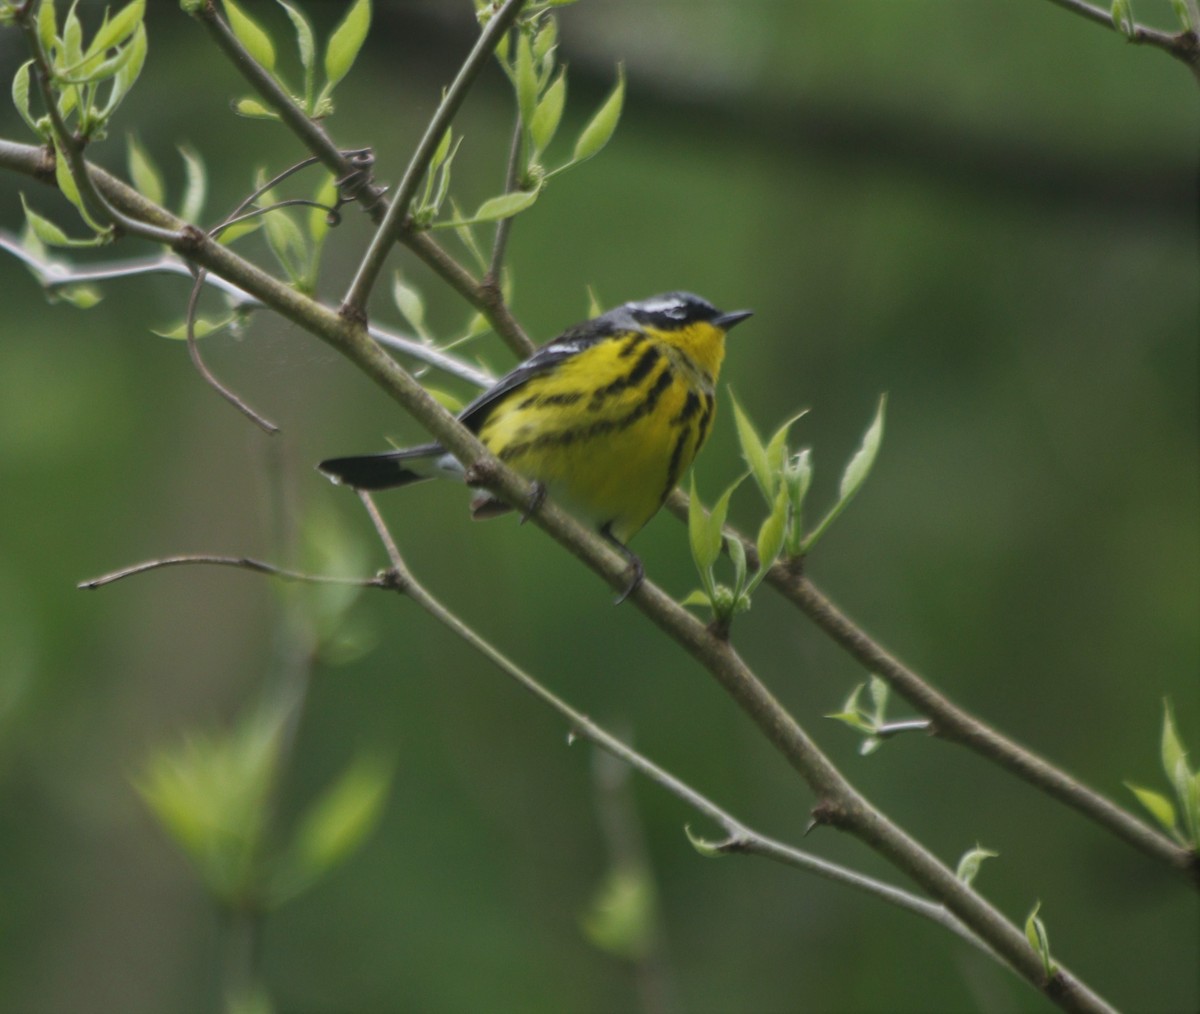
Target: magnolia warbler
[607,416]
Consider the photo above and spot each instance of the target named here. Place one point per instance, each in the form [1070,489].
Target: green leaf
[411,305]
[286,242]
[770,536]
[879,696]
[620,918]
[42,228]
[210,794]
[853,719]
[144,173]
[969,864]
[753,451]
[128,73]
[20,95]
[47,26]
[708,849]
[697,597]
[116,30]
[860,465]
[737,553]
[202,327]
[705,549]
[256,42]
[525,80]
[346,41]
[546,117]
[603,124]
[1157,805]
[196,188]
[252,109]
[1122,18]
[777,446]
[306,43]
[326,196]
[82,297]
[1173,752]
[1184,15]
[70,190]
[341,818]
[1039,940]
[494,209]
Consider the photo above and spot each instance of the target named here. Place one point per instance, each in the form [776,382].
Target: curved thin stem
[392,225]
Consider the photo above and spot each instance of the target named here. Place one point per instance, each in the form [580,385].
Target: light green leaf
[525,80]
[411,305]
[340,820]
[83,297]
[256,42]
[196,189]
[602,126]
[753,452]
[306,43]
[346,41]
[286,241]
[43,229]
[326,196]
[705,546]
[860,465]
[202,327]
[969,864]
[494,209]
[1039,940]
[128,73]
[254,110]
[47,27]
[72,38]
[853,719]
[545,41]
[1122,17]
[116,30]
[144,173]
[708,849]
[770,535]
[776,450]
[70,190]
[697,597]
[239,229]
[1157,805]
[620,918]
[879,696]
[20,94]
[1184,15]
[1173,752]
[547,116]
[737,553]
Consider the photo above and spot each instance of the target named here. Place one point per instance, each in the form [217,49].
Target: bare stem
[239,562]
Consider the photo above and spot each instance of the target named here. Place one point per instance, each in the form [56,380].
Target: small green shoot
[1179,818]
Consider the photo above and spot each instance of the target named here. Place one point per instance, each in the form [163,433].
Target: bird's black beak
[726,320]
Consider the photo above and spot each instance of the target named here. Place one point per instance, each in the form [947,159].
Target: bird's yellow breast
[611,429]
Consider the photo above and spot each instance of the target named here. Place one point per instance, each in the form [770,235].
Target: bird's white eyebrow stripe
[659,305]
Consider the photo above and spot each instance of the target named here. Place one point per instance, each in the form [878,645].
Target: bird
[606,418]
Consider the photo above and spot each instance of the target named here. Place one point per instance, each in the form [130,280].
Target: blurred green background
[987,210]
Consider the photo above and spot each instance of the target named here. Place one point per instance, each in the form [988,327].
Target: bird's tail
[383,471]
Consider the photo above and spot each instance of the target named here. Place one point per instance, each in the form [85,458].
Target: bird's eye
[677,311]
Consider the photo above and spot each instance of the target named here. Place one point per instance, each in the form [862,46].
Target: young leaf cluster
[1179,818]
[529,58]
[783,478]
[211,794]
[87,82]
[341,51]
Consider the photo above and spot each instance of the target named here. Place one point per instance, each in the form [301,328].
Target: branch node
[827,813]
[391,579]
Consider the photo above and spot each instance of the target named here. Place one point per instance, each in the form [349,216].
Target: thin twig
[261,421]
[355,302]
[1183,46]
[500,244]
[739,837]
[240,562]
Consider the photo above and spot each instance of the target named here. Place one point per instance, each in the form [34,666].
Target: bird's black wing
[570,343]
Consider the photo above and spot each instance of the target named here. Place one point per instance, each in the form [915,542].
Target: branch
[1183,46]
[739,838]
[393,223]
[956,725]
